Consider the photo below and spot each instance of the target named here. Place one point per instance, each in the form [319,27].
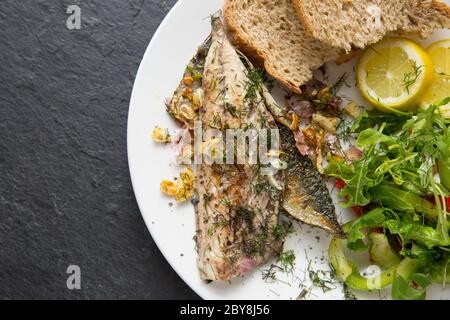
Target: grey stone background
[65,192]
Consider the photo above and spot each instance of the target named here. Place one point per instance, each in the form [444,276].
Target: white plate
[172,228]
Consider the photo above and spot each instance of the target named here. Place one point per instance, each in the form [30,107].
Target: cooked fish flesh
[306,197]
[237,209]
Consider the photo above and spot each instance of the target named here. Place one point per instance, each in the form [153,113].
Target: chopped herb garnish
[255,246]
[270,274]
[344,130]
[227,203]
[233,110]
[282,230]
[261,185]
[244,215]
[410,78]
[206,200]
[254,85]
[322,279]
[339,83]
[287,260]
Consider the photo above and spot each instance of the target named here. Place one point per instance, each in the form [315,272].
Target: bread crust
[302,15]
[442,7]
[308,24]
[257,56]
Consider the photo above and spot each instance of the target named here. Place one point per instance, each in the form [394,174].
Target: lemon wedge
[394,74]
[439,53]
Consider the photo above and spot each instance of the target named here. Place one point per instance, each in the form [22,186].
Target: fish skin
[306,197]
[235,220]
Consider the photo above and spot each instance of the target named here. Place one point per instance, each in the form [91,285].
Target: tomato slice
[377,230]
[340,184]
[359,211]
[447,201]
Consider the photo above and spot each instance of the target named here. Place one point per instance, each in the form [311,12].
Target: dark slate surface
[65,192]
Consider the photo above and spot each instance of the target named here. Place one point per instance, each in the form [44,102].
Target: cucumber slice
[348,272]
[381,252]
[444,173]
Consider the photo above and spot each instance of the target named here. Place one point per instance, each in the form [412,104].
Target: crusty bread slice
[270,33]
[358,23]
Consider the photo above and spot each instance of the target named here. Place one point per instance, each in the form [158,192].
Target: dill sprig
[339,83]
[324,280]
[282,230]
[270,274]
[233,110]
[287,260]
[344,131]
[286,264]
[321,279]
[410,78]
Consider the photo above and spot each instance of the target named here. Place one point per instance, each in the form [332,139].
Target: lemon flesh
[439,53]
[394,74]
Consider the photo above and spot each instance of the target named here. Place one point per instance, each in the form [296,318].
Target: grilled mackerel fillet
[238,207]
[306,197]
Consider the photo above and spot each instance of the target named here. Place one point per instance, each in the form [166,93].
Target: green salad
[401,184]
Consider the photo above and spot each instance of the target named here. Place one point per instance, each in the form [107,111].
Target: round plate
[171,225]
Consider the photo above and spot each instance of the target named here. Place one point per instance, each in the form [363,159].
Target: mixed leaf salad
[401,188]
